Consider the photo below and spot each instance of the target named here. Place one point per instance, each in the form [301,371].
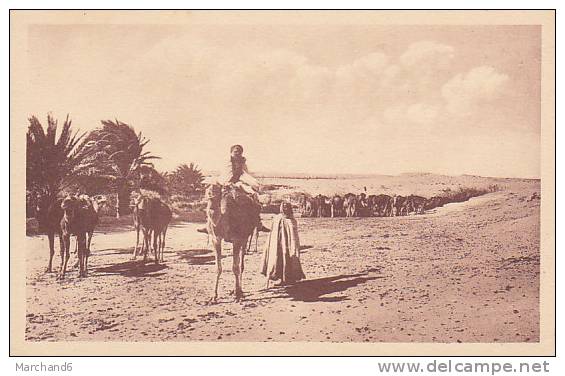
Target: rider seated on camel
[237,175]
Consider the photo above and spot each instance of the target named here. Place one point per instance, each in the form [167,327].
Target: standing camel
[92,206]
[362,205]
[322,205]
[143,214]
[162,216]
[230,217]
[137,228]
[400,205]
[49,215]
[74,222]
[152,218]
[92,219]
[415,204]
[336,206]
[350,204]
[381,205]
[310,207]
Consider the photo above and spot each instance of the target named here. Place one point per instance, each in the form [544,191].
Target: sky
[302,98]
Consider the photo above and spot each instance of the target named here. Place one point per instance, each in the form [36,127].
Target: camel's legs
[217,242]
[87,254]
[242,263]
[86,264]
[238,247]
[82,254]
[156,243]
[77,263]
[51,237]
[146,243]
[158,248]
[163,244]
[62,251]
[90,233]
[65,254]
[136,242]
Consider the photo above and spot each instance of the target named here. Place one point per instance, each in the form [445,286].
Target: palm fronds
[53,163]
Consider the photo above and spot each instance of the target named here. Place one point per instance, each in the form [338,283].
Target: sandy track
[466,273]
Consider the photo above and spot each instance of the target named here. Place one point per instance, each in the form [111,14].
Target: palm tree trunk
[122,202]
[118,206]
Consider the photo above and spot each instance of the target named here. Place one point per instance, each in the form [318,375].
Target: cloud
[425,65]
[427,54]
[294,110]
[465,93]
[409,118]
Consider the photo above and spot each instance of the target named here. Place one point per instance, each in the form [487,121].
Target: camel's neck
[95,206]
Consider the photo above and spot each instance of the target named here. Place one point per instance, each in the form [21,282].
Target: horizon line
[307,175]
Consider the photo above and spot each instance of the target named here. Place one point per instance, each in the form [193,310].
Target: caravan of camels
[78,215]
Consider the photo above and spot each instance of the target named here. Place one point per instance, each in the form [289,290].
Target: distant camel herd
[351,205]
[78,215]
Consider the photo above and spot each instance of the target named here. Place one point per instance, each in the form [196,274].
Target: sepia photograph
[282,182]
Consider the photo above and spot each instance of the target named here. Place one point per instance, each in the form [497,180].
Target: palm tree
[53,164]
[186,180]
[118,154]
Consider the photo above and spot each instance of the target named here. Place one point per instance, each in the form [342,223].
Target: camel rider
[236,172]
[236,175]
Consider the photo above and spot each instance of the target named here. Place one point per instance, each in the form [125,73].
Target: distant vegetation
[112,160]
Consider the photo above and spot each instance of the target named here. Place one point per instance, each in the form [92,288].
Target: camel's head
[70,205]
[142,204]
[214,191]
[44,212]
[98,202]
[41,210]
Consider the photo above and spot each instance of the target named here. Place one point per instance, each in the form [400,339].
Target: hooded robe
[281,257]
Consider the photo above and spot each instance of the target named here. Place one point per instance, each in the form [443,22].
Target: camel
[400,205]
[91,220]
[435,202]
[143,217]
[231,217]
[310,207]
[49,215]
[162,218]
[322,205]
[302,199]
[391,208]
[137,228]
[362,209]
[415,204]
[380,204]
[336,206]
[350,204]
[75,221]
[93,215]
[152,218]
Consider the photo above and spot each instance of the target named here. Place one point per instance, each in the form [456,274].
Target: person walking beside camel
[281,256]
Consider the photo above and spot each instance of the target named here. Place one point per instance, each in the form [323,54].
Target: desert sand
[467,272]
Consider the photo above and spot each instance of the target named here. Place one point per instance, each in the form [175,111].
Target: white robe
[281,257]
[246,181]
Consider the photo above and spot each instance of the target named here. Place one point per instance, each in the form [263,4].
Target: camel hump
[240,210]
[164,213]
